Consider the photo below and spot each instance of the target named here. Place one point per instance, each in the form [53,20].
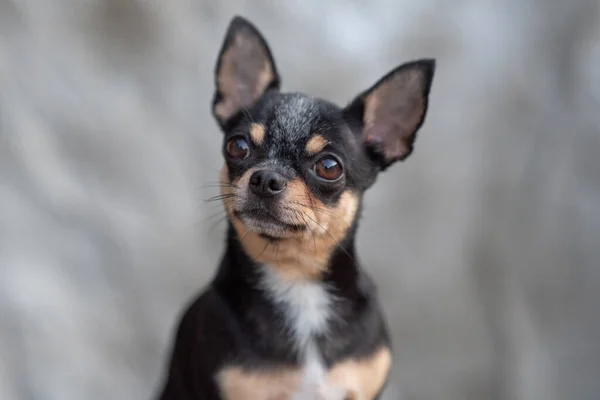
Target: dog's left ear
[245,70]
[393,110]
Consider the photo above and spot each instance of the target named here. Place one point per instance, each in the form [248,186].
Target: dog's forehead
[291,119]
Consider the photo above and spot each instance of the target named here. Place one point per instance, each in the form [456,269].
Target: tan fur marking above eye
[235,383]
[257,133]
[315,144]
[362,378]
[229,189]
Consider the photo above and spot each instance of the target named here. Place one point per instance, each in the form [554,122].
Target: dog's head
[296,166]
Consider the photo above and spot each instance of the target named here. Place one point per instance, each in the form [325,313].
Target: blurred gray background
[485,243]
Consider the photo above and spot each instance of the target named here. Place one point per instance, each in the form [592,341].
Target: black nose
[266,183]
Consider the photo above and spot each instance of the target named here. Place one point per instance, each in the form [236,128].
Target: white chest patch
[307,307]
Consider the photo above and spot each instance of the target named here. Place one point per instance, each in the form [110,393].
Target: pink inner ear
[393,112]
[371,138]
[387,141]
[245,72]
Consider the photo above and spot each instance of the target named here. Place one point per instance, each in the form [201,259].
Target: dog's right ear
[245,70]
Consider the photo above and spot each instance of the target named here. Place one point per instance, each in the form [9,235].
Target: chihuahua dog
[290,314]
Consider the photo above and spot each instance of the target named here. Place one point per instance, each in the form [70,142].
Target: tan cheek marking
[253,244]
[236,184]
[257,133]
[341,216]
[298,198]
[237,384]
[307,255]
[315,144]
[228,187]
[363,378]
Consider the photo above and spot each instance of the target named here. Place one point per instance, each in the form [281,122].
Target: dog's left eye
[238,148]
[328,168]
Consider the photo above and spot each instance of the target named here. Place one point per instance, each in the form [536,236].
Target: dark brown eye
[238,148]
[328,169]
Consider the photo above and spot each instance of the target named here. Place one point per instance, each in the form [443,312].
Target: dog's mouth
[268,225]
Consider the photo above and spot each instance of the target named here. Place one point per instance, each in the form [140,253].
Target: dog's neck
[308,302]
[309,305]
[293,260]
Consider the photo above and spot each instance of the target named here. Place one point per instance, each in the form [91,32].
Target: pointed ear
[393,110]
[245,70]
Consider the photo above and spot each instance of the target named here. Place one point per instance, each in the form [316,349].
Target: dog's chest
[306,309]
[305,306]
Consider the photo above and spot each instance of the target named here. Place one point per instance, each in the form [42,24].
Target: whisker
[310,230]
[213,226]
[213,215]
[277,251]
[245,233]
[220,184]
[321,209]
[330,235]
[220,197]
[263,250]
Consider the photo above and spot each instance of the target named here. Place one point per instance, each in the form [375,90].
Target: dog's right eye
[238,148]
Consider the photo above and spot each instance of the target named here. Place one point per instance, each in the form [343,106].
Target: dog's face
[296,166]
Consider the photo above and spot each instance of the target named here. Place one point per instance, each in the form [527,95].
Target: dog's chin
[268,226]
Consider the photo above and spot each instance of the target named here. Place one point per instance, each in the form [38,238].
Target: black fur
[233,321]
[290,120]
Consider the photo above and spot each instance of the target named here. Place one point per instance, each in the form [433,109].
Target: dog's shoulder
[203,338]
